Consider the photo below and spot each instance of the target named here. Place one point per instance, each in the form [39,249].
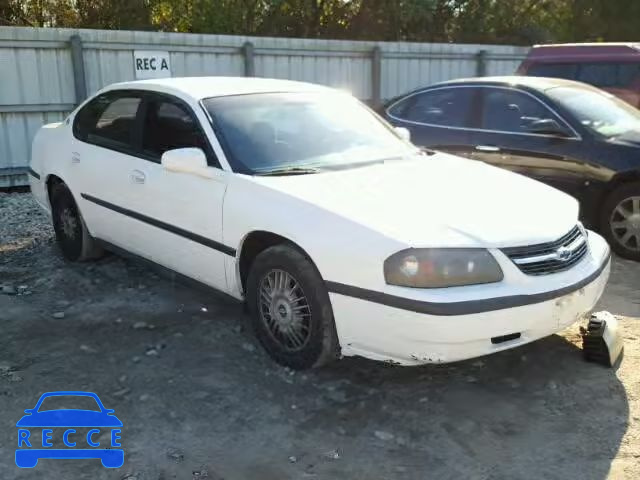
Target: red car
[614,67]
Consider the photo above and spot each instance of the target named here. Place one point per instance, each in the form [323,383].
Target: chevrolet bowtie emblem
[563,254]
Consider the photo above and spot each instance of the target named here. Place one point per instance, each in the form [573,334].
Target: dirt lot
[199,399]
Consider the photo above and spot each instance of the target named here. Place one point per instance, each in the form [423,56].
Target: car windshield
[600,112]
[69,402]
[273,132]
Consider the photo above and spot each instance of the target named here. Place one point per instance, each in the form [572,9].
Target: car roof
[535,83]
[577,52]
[68,394]
[203,87]
[629,46]
[590,44]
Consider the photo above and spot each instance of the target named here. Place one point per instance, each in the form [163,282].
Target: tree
[478,21]
[37,13]
[599,20]
[498,21]
[306,18]
[114,14]
[405,20]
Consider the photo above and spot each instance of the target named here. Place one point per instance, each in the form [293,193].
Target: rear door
[102,158]
[438,118]
[502,139]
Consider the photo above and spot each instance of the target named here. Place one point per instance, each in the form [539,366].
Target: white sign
[151,64]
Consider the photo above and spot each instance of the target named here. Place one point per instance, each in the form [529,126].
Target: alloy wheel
[625,223]
[284,310]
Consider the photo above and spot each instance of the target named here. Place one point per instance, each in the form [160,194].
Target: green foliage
[470,21]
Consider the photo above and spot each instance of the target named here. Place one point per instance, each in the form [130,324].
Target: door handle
[137,177]
[487,148]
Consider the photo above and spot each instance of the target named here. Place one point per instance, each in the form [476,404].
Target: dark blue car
[567,134]
[29,452]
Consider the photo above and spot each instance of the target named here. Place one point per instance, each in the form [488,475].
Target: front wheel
[290,309]
[620,220]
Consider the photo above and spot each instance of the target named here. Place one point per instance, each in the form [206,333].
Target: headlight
[441,267]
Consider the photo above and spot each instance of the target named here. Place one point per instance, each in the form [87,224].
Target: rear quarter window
[568,71]
[599,74]
[609,74]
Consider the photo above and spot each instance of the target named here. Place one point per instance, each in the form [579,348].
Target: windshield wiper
[277,172]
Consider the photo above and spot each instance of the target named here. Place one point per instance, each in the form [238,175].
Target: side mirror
[186,160]
[546,126]
[403,133]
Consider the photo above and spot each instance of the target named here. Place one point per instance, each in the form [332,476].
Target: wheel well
[52,181]
[598,200]
[254,244]
[622,178]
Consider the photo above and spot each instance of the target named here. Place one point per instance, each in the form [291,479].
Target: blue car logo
[68,425]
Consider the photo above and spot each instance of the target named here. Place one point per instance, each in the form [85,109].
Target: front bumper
[396,332]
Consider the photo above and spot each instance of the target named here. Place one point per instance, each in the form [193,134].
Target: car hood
[438,200]
[69,418]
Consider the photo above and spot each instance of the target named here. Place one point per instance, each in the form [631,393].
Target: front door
[503,138]
[180,214]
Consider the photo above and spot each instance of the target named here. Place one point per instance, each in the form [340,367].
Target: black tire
[320,345]
[72,235]
[621,196]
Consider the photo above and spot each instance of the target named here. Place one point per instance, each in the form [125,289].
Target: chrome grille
[550,257]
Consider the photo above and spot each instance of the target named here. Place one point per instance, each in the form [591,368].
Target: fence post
[249,60]
[481,63]
[376,77]
[77,61]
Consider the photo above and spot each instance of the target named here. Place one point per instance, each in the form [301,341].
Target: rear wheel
[290,309]
[620,220]
[72,234]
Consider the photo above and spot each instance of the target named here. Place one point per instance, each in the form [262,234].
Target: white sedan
[340,235]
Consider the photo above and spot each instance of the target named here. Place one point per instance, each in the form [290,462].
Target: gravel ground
[199,399]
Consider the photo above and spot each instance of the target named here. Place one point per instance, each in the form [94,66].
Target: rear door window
[109,120]
[451,107]
[599,74]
